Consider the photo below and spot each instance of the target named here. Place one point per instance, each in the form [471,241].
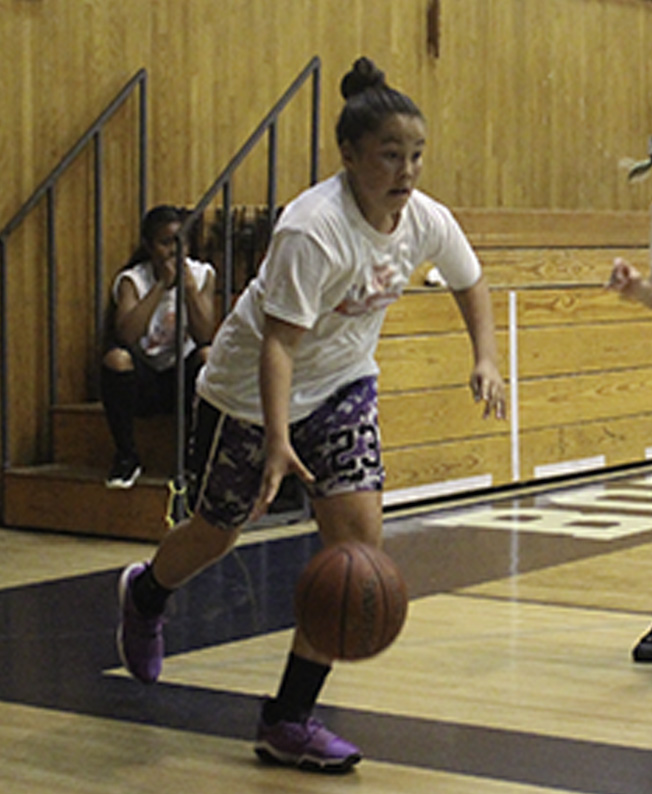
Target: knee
[202,354]
[118,359]
[350,517]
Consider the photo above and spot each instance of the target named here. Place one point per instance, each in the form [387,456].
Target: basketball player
[290,386]
[629,282]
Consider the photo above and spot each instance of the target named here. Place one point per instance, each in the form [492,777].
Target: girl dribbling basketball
[290,386]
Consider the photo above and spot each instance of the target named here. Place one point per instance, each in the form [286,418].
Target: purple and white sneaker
[307,745]
[139,639]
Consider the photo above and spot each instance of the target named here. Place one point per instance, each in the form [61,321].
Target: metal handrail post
[251,141]
[224,183]
[4,358]
[271,175]
[52,292]
[46,189]
[314,137]
[98,208]
[179,501]
[227,249]
[142,144]
[71,155]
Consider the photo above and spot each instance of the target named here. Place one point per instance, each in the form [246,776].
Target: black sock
[148,595]
[119,393]
[298,691]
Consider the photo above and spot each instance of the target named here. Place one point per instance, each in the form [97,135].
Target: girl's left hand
[487,385]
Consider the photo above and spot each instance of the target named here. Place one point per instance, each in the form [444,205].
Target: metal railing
[47,189]
[269,126]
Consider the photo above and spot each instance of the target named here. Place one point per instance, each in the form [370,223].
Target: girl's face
[383,168]
[162,246]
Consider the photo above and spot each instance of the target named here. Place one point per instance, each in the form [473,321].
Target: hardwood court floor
[513,674]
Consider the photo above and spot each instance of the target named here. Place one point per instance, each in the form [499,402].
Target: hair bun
[364,74]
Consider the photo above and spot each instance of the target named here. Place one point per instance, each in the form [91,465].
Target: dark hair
[369,101]
[157,217]
[152,221]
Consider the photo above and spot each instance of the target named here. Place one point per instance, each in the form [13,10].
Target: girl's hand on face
[188,280]
[169,272]
[280,461]
[487,385]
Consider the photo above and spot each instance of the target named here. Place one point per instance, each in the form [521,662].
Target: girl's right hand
[280,462]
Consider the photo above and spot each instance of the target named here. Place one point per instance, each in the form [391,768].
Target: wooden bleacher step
[69,494]
[67,498]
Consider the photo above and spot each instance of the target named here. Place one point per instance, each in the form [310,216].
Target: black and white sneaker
[124,472]
[642,651]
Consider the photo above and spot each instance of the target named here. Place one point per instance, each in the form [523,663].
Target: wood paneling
[534,92]
[563,266]
[526,104]
[137,513]
[81,438]
[542,307]
[431,415]
[550,228]
[582,356]
[621,440]
[531,106]
[551,402]
[577,348]
[449,461]
[416,362]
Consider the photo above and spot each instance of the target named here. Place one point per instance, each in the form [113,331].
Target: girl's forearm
[201,316]
[276,366]
[475,306]
[132,324]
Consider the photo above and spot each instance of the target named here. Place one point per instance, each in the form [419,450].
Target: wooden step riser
[85,507]
[82,438]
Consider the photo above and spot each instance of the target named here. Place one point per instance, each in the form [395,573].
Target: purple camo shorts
[339,442]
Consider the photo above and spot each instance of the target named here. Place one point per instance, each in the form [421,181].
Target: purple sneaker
[139,639]
[307,745]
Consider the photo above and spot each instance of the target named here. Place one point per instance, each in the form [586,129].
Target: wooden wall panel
[583,358]
[552,402]
[542,307]
[542,84]
[433,310]
[426,311]
[449,461]
[531,106]
[525,104]
[578,348]
[553,228]
[584,375]
[620,440]
[535,266]
[416,362]
[431,415]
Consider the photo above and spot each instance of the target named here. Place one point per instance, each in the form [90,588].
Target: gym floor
[512,675]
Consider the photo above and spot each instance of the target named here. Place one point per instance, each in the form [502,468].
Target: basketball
[350,601]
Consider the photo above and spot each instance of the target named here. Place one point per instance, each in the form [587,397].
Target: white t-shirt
[329,271]
[158,346]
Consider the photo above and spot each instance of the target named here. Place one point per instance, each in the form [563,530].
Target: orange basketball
[350,601]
